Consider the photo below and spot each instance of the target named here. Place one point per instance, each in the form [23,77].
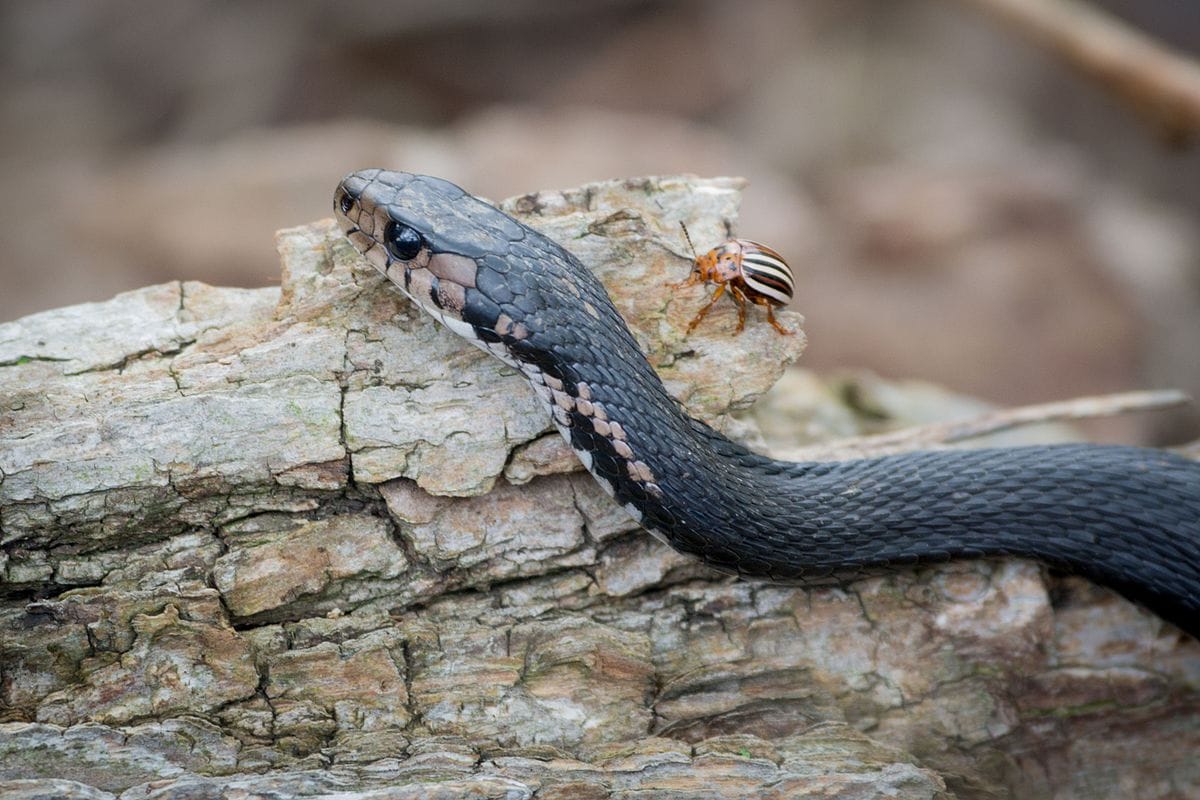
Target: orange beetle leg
[740,297]
[707,306]
[767,304]
[691,280]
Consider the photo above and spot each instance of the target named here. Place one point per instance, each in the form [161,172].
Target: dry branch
[946,433]
[1162,86]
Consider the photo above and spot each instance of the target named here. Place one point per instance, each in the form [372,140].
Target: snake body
[1124,517]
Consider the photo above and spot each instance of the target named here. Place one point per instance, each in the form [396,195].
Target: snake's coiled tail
[1125,517]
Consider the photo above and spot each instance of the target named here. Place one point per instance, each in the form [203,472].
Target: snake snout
[346,210]
[346,200]
[343,201]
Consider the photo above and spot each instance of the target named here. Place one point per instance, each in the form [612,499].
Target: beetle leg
[775,323]
[700,315]
[767,304]
[740,297]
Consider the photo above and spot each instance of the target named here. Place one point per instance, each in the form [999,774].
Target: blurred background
[959,205]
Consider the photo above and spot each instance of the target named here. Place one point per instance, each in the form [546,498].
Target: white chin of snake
[463,329]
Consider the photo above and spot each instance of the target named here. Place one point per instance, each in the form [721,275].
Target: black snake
[1125,517]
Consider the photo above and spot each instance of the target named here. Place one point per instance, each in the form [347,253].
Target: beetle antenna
[687,236]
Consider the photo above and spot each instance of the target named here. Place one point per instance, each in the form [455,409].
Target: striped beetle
[751,271]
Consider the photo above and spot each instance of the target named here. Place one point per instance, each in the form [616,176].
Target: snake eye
[346,202]
[402,241]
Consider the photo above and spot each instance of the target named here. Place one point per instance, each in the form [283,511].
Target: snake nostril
[345,201]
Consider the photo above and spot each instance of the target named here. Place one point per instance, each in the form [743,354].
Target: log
[303,541]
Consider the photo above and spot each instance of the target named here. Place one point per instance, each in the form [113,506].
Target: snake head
[497,283]
[447,219]
[486,276]
[428,237]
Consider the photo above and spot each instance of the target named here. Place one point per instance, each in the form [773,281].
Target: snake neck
[1128,518]
[1125,517]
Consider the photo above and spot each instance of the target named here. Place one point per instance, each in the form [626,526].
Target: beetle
[751,271]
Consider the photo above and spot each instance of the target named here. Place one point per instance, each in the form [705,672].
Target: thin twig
[944,433]
[1162,86]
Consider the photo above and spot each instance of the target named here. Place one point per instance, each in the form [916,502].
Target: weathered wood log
[304,541]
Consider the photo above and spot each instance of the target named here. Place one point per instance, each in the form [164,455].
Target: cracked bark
[250,560]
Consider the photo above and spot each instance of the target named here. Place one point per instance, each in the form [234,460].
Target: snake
[1124,517]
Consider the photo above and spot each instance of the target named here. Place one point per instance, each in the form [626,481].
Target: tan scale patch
[377,256]
[584,390]
[366,224]
[553,382]
[560,416]
[617,431]
[623,449]
[503,325]
[457,269]
[601,427]
[377,220]
[420,282]
[640,471]
[452,295]
[361,241]
[562,399]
